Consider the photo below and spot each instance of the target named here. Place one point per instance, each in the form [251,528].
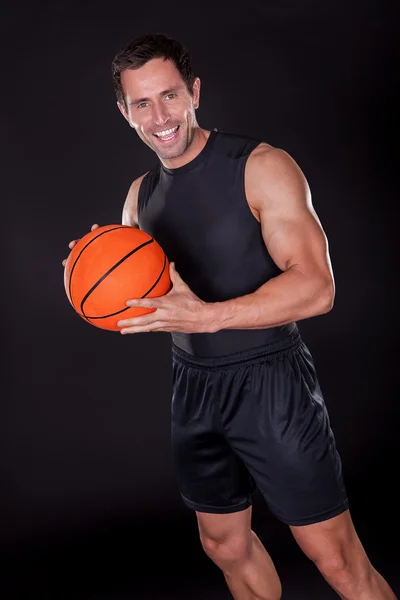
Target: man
[234,215]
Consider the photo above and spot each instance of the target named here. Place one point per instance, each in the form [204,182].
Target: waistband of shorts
[292,341]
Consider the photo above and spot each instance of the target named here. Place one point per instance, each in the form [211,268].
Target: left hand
[178,310]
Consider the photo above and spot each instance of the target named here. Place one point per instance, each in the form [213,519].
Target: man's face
[160,107]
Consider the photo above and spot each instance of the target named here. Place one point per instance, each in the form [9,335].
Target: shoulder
[134,187]
[269,159]
[273,174]
[130,210]
[235,145]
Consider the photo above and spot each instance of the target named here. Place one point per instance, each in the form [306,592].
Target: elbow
[326,297]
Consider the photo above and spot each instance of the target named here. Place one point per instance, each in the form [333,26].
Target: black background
[89,504]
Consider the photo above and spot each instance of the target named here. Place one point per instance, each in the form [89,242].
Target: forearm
[289,297]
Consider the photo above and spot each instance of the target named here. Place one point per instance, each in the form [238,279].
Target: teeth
[166,132]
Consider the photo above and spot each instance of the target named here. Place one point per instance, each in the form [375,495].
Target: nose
[160,114]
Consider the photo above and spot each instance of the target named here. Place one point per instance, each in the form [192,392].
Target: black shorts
[255,420]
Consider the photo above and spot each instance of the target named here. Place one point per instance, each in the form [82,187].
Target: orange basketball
[111,265]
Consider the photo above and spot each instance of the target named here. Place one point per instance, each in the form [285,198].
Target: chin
[170,153]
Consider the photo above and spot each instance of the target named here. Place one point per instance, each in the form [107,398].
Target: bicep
[290,226]
[296,240]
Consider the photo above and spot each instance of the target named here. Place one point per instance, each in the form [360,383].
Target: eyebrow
[164,93]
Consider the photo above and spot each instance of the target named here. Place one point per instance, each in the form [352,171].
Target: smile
[167,134]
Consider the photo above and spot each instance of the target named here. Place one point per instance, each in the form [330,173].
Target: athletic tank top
[199,215]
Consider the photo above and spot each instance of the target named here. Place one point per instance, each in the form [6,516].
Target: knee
[335,568]
[226,551]
[343,573]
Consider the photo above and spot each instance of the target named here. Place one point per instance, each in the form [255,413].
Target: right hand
[73,242]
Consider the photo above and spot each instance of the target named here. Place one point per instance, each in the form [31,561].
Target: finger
[142,321]
[63,262]
[157,326]
[144,302]
[134,330]
[73,242]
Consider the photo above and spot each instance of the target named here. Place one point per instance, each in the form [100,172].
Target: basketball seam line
[107,274]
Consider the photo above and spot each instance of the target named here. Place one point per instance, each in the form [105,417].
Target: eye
[170,96]
[142,105]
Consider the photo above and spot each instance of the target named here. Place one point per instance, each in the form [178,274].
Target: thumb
[174,275]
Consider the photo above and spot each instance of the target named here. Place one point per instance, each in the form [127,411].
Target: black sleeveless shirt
[199,215]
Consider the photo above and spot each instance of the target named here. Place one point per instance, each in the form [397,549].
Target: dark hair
[146,47]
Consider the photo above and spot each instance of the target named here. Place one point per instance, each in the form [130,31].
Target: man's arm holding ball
[181,309]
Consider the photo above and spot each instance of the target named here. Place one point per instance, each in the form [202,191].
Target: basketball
[111,265]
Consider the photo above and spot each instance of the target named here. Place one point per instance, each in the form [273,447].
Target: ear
[124,113]
[196,93]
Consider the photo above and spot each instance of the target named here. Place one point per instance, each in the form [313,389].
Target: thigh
[211,477]
[327,540]
[220,528]
[284,436]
